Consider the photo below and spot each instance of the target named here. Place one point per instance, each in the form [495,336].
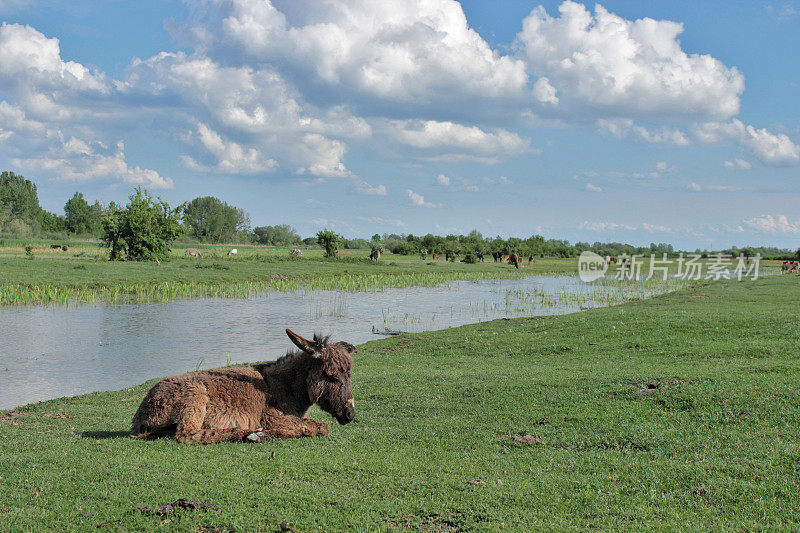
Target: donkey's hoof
[257,436]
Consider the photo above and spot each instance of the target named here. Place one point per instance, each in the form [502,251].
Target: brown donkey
[256,402]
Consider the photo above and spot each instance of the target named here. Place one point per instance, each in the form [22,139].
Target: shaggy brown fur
[256,402]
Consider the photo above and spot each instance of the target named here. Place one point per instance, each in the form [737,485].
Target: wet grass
[675,413]
[82,274]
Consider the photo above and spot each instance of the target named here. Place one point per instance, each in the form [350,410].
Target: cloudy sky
[674,121]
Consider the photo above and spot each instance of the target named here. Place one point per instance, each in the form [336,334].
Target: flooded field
[49,352]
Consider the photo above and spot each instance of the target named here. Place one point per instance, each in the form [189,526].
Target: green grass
[83,275]
[676,413]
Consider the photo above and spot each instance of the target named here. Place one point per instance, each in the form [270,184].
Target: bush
[143,230]
[470,258]
[330,241]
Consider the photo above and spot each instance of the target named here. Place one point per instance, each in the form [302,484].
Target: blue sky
[632,121]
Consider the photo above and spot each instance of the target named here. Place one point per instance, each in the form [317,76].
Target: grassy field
[676,413]
[83,274]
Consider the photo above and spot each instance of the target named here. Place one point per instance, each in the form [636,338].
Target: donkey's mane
[292,354]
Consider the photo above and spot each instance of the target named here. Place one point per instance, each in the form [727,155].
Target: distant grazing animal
[496,256]
[530,260]
[55,246]
[504,257]
[64,248]
[612,260]
[256,402]
[794,266]
[449,256]
[436,256]
[193,252]
[515,260]
[235,251]
[375,255]
[479,255]
[296,252]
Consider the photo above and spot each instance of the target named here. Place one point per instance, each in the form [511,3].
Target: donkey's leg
[282,426]
[190,425]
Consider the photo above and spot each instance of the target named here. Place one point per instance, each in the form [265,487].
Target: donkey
[256,402]
[194,252]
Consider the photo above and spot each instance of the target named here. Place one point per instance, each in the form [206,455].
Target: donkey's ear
[308,346]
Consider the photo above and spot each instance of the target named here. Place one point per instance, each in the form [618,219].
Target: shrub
[330,241]
[143,230]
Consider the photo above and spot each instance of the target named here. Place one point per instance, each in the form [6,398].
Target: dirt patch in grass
[613,446]
[180,503]
[436,523]
[527,439]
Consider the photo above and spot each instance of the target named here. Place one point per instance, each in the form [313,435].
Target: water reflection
[63,351]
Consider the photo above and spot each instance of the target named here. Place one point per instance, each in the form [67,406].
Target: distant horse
[530,260]
[479,255]
[436,256]
[496,256]
[375,255]
[233,252]
[296,252]
[193,252]
[55,246]
[515,260]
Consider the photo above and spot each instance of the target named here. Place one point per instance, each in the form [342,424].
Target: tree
[53,223]
[143,230]
[211,219]
[330,241]
[279,235]
[19,204]
[80,217]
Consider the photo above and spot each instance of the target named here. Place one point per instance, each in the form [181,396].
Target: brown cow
[255,402]
[193,252]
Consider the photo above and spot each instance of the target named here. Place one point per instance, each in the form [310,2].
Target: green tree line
[209,219]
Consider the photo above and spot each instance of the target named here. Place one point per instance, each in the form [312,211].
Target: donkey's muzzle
[346,416]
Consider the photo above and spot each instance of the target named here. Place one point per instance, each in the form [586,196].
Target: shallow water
[50,352]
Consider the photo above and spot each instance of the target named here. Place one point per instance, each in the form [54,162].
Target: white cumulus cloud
[417,199]
[609,64]
[773,224]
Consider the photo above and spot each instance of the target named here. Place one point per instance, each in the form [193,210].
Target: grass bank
[676,413]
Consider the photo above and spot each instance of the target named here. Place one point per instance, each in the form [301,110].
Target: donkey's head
[329,384]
